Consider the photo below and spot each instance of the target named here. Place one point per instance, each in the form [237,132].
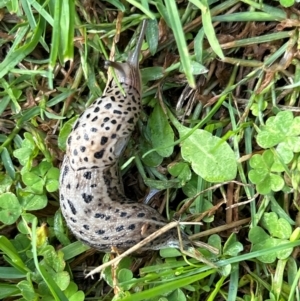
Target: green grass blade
[181,41]
[144,9]
[11,273]
[245,17]
[53,287]
[9,250]
[166,287]
[208,26]
[55,34]
[67,34]
[16,56]
[41,11]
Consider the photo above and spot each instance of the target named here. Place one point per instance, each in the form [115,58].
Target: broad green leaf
[10,208]
[210,156]
[152,73]
[162,135]
[152,35]
[181,170]
[153,159]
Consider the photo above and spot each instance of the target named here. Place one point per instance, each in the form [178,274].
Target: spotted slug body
[91,193]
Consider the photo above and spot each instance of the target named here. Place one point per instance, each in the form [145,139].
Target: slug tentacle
[91,192]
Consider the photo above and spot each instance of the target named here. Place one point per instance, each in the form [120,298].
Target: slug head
[129,72]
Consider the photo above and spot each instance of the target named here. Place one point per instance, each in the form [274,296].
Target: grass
[218,136]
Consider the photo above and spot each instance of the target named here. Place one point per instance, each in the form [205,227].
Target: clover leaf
[43,175]
[279,232]
[262,173]
[27,152]
[10,208]
[281,129]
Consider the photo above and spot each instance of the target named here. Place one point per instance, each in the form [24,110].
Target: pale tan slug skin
[91,193]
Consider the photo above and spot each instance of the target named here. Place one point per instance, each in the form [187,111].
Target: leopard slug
[92,198]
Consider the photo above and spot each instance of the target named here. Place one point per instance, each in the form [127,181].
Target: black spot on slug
[87,197]
[71,205]
[76,125]
[131,120]
[120,228]
[99,215]
[107,106]
[103,140]
[99,155]
[87,175]
[100,232]
[131,227]
[130,242]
